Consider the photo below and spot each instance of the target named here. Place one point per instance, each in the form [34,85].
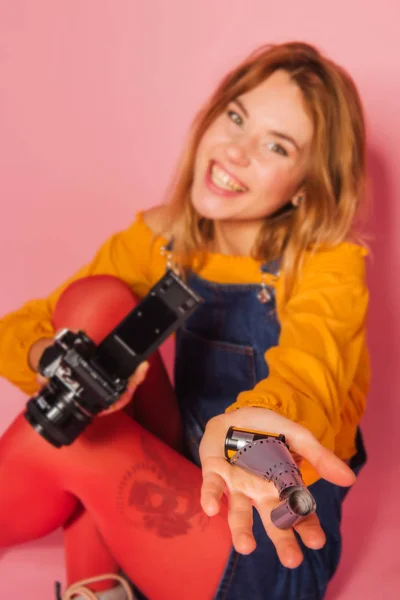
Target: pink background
[95,100]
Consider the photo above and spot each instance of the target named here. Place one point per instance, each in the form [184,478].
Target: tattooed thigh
[152,494]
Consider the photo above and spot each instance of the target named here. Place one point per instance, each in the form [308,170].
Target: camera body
[85,378]
[77,389]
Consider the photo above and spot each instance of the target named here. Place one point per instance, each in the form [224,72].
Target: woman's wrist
[249,416]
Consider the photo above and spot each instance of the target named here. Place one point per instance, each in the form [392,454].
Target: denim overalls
[220,353]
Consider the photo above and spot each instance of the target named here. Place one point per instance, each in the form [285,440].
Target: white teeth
[222,180]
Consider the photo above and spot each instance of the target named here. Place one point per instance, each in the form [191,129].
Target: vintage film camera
[85,379]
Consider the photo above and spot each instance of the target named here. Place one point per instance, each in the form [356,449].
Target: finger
[212,488]
[240,519]
[118,405]
[297,458]
[300,440]
[311,532]
[41,380]
[133,383]
[327,464]
[139,375]
[284,540]
[121,403]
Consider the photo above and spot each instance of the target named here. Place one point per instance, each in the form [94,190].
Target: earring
[296,201]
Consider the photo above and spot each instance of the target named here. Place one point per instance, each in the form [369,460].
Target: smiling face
[253,158]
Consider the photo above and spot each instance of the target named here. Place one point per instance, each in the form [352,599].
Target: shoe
[80,591]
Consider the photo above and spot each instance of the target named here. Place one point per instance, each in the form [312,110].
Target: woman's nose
[237,154]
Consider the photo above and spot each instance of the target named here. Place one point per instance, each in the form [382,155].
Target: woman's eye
[235,117]
[277,148]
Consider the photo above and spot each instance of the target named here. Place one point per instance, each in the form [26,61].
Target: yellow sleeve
[312,368]
[126,254]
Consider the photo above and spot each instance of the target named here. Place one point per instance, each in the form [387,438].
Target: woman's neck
[235,238]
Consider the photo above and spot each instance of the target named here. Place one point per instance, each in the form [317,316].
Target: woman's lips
[215,189]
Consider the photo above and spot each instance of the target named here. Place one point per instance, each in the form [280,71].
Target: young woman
[261,223]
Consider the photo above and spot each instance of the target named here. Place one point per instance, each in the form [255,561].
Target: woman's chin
[213,208]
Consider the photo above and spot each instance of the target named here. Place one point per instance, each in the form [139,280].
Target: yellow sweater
[319,372]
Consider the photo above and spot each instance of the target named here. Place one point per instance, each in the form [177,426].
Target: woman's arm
[125,254]
[321,350]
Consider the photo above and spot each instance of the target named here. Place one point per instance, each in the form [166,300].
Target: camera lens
[56,418]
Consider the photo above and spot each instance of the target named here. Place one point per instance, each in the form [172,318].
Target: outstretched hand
[245,490]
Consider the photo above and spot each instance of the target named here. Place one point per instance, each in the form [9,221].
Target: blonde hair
[334,183]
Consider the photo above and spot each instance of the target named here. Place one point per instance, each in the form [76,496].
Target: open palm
[245,490]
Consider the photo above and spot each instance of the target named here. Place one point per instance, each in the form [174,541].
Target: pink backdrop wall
[95,100]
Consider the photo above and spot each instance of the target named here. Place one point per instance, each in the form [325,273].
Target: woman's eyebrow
[285,136]
[278,134]
[241,106]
